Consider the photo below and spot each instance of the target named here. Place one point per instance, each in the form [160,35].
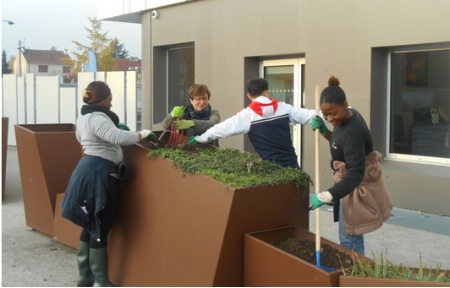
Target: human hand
[177,112]
[317,123]
[183,124]
[193,140]
[123,126]
[320,199]
[146,134]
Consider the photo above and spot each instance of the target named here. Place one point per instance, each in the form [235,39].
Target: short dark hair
[333,94]
[256,86]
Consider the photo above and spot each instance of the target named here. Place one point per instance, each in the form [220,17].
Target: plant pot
[177,229]
[5,121]
[48,154]
[268,265]
[355,281]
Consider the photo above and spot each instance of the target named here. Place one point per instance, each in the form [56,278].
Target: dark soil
[306,250]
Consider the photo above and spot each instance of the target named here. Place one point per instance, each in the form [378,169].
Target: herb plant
[231,166]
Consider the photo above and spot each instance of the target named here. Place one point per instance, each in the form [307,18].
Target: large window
[420,105]
[174,73]
[181,75]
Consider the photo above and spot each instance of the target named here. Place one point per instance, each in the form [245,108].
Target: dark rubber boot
[86,278]
[98,259]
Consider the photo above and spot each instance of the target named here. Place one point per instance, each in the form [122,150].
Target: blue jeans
[352,242]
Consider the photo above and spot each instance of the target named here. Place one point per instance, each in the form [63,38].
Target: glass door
[286,84]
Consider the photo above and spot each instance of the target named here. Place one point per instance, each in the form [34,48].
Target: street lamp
[9,22]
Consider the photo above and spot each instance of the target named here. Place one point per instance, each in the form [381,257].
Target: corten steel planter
[176,229]
[5,122]
[48,154]
[65,231]
[354,281]
[267,265]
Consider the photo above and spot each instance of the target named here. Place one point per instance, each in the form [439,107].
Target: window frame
[42,67]
[161,79]
[438,161]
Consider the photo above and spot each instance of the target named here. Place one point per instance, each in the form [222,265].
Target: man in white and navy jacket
[267,123]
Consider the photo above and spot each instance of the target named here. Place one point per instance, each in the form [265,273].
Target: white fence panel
[101,76]
[39,100]
[9,104]
[47,99]
[130,104]
[116,81]
[21,93]
[30,100]
[68,105]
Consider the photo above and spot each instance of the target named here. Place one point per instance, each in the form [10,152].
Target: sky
[44,24]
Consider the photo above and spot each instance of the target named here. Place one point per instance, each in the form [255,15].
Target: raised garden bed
[178,227]
[286,257]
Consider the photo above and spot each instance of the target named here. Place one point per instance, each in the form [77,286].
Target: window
[420,105]
[43,68]
[173,74]
[181,75]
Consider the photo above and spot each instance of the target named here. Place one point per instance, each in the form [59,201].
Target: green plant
[231,166]
[382,268]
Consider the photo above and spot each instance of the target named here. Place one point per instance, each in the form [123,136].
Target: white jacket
[267,123]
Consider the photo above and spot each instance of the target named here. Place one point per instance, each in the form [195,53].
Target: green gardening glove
[123,126]
[320,199]
[193,140]
[177,112]
[317,122]
[183,124]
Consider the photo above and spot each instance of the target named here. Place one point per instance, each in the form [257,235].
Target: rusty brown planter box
[5,121]
[48,154]
[176,229]
[354,281]
[267,265]
[65,231]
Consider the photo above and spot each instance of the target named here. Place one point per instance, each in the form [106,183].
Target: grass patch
[382,268]
[231,166]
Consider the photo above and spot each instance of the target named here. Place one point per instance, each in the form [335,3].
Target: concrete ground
[33,259]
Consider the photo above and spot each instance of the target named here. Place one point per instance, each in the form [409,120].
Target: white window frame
[299,101]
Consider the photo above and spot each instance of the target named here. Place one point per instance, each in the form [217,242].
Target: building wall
[348,39]
[27,68]
[53,70]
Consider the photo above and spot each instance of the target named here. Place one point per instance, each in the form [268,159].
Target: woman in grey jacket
[91,196]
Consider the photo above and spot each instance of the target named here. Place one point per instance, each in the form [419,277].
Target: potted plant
[381,273]
[183,214]
[286,257]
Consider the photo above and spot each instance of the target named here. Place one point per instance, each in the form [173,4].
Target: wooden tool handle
[317,170]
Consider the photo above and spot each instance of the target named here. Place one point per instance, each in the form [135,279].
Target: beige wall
[343,38]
